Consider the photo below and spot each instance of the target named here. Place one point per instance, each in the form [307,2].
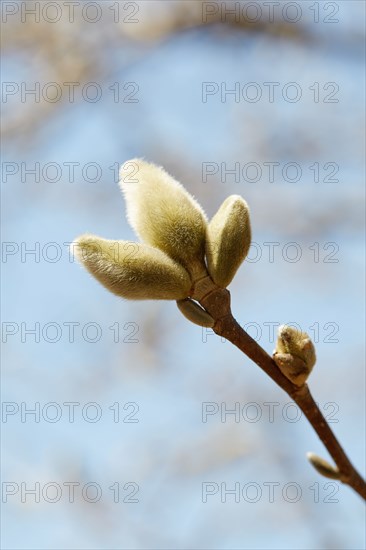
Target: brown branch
[217,302]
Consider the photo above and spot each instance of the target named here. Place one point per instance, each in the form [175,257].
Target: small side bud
[323,467]
[195,313]
[294,354]
[228,240]
[132,270]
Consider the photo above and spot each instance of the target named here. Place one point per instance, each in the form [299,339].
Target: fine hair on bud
[228,240]
[163,213]
[294,354]
[132,270]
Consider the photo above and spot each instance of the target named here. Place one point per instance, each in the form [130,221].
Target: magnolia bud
[228,240]
[163,213]
[323,467]
[132,270]
[294,354]
[195,313]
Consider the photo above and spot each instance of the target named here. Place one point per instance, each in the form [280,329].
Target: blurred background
[131,443]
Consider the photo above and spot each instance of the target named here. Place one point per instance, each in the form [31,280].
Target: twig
[217,302]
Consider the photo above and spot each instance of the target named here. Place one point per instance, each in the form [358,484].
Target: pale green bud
[228,240]
[323,467]
[294,354]
[195,313]
[132,270]
[163,213]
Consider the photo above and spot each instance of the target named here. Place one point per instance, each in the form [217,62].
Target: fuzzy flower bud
[132,270]
[228,240]
[294,354]
[163,213]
